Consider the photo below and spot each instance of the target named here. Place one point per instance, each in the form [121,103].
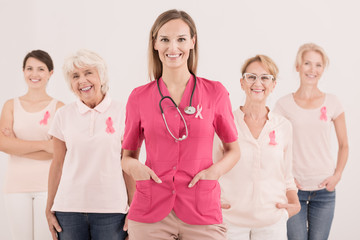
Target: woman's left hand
[125,227]
[206,174]
[331,182]
[291,208]
[8,132]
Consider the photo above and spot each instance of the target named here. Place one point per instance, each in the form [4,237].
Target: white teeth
[173,55]
[86,88]
[255,90]
[34,80]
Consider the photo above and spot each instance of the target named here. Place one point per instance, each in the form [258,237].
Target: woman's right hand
[49,146]
[140,172]
[53,223]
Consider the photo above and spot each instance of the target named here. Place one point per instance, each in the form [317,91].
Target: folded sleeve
[56,128]
[133,134]
[224,119]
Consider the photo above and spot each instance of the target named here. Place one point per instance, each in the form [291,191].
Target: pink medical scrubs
[177,162]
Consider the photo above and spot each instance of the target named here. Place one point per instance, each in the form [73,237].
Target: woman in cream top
[259,193]
[313,113]
[87,196]
[24,125]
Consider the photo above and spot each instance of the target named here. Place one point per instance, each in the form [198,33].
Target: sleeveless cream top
[24,174]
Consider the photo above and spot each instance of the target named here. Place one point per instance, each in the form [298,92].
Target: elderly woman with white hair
[87,197]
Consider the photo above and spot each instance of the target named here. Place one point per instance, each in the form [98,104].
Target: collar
[101,107]
[241,114]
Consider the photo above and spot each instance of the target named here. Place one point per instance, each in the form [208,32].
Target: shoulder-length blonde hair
[154,63]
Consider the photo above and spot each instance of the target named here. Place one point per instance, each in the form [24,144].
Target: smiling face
[311,68]
[36,73]
[257,91]
[174,43]
[85,82]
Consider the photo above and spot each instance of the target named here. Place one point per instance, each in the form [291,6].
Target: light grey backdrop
[229,32]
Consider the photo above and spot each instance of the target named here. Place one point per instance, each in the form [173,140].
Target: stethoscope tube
[188,110]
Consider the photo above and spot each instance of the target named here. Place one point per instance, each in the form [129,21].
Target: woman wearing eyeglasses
[177,194]
[312,114]
[259,193]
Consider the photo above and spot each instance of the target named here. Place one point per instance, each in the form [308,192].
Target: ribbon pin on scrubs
[198,114]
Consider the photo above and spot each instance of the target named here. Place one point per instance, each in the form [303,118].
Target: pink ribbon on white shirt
[323,114]
[109,124]
[198,113]
[46,117]
[272,138]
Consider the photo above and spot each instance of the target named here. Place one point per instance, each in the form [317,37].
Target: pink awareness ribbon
[323,114]
[109,124]
[272,138]
[198,113]
[45,119]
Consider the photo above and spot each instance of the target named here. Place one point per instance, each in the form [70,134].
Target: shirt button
[173,191]
[174,167]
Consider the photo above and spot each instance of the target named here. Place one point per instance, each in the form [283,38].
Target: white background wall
[229,32]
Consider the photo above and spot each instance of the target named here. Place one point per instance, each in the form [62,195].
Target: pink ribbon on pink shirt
[109,124]
[46,117]
[323,114]
[198,114]
[272,138]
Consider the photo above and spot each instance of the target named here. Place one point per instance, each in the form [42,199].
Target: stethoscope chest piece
[189,110]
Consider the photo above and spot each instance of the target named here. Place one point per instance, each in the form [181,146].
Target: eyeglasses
[251,78]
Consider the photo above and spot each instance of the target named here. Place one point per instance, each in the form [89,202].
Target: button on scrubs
[177,162]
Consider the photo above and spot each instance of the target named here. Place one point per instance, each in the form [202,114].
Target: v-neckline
[185,98]
[263,130]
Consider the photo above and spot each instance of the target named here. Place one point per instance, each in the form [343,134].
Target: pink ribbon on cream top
[109,124]
[323,115]
[45,119]
[272,138]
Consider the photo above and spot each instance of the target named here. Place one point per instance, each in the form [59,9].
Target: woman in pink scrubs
[177,194]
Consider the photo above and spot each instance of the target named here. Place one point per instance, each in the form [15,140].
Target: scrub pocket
[142,197]
[208,197]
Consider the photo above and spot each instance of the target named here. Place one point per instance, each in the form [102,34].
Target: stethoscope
[188,110]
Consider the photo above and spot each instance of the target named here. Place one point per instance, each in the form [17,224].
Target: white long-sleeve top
[261,177]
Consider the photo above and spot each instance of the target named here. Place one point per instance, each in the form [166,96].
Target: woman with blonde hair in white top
[24,124]
[312,114]
[259,193]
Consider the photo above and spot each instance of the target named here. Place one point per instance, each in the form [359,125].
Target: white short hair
[86,58]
